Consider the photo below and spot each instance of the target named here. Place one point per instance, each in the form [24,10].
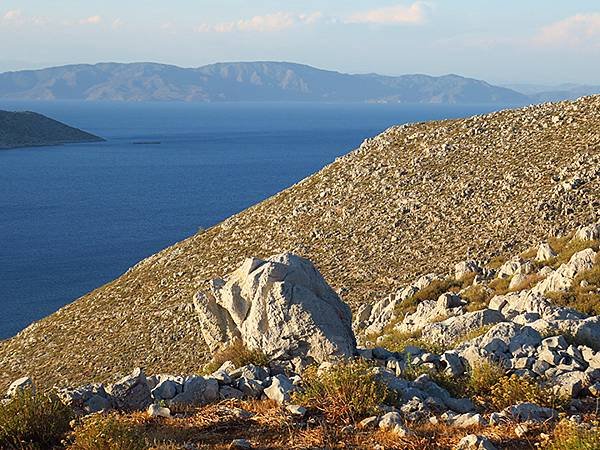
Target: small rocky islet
[457,308]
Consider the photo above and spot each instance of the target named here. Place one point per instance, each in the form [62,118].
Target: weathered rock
[545,253]
[279,389]
[240,444]
[449,330]
[475,442]
[562,278]
[282,306]
[158,411]
[588,233]
[468,420]
[20,385]
[97,403]
[132,392]
[530,411]
[229,392]
[165,390]
[570,384]
[369,422]
[392,422]
[197,391]
[296,410]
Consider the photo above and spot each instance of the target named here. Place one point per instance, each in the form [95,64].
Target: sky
[501,41]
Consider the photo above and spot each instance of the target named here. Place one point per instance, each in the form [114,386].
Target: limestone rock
[545,253]
[158,411]
[588,233]
[562,278]
[132,392]
[20,385]
[282,306]
[475,442]
[280,389]
[530,411]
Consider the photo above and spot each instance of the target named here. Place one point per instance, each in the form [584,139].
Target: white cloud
[580,30]
[263,24]
[13,15]
[92,20]
[398,14]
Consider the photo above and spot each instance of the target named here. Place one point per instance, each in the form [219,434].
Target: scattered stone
[279,389]
[155,410]
[296,410]
[369,422]
[475,442]
[240,444]
[20,385]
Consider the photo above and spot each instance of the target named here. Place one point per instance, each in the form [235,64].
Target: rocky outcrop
[282,306]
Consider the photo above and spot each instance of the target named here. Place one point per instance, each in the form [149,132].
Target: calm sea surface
[77,216]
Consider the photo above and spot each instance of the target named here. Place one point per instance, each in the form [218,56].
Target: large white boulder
[281,306]
[562,278]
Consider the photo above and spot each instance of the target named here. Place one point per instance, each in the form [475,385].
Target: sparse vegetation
[477,296]
[344,393]
[571,436]
[238,354]
[500,285]
[431,292]
[566,248]
[107,432]
[584,295]
[513,389]
[33,421]
[397,341]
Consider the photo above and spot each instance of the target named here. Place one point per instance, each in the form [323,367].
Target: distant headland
[30,129]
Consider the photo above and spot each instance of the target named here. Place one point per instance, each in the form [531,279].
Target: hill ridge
[416,199]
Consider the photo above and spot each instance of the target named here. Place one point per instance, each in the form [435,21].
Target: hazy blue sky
[542,41]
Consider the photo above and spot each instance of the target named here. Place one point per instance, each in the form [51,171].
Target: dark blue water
[75,217]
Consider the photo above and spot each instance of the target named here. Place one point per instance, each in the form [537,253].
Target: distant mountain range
[545,93]
[244,81]
[29,129]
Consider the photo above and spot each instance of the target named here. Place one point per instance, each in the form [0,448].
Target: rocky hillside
[244,81]
[29,129]
[414,200]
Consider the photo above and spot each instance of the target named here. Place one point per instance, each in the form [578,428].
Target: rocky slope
[29,129]
[243,81]
[416,199]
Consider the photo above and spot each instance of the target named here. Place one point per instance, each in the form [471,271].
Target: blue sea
[76,216]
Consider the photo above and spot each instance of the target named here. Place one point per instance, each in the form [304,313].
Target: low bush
[570,436]
[483,377]
[500,285]
[107,432]
[568,249]
[477,296]
[345,393]
[33,421]
[510,390]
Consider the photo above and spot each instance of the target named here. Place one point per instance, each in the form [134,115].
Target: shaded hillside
[29,129]
[417,198]
[243,81]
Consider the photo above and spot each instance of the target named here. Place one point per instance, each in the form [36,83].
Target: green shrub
[570,436]
[345,393]
[33,421]
[477,296]
[513,389]
[483,377]
[107,432]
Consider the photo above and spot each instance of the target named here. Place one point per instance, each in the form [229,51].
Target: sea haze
[77,216]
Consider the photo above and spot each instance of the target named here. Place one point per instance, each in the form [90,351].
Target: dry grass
[568,248]
[499,285]
[345,393]
[33,421]
[431,292]
[570,436]
[397,341]
[477,296]
[584,294]
[239,355]
[513,389]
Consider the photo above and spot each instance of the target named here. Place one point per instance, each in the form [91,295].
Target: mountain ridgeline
[29,129]
[243,81]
